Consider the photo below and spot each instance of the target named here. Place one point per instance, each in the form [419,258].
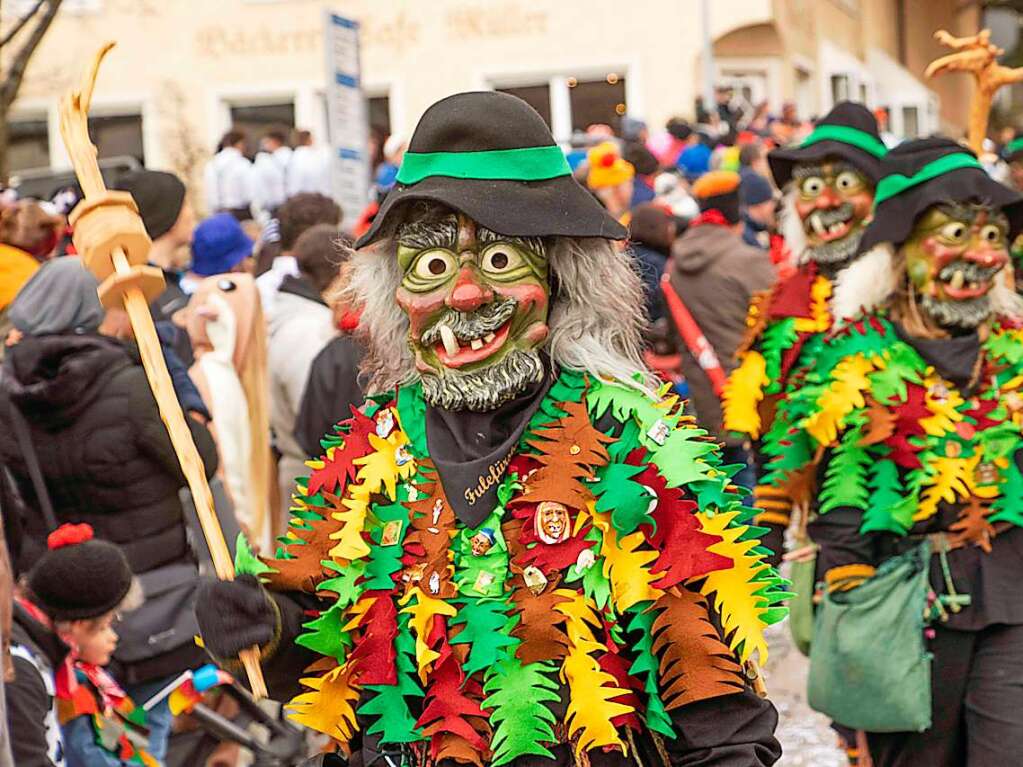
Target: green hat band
[533,163]
[896,184]
[1014,146]
[843,133]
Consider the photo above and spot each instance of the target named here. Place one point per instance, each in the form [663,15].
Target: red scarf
[64,680]
[712,217]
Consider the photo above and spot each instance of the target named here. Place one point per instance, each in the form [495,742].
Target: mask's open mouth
[455,352]
[962,280]
[830,225]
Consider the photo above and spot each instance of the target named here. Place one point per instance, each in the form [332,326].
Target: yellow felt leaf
[945,416]
[357,612]
[421,622]
[743,392]
[328,708]
[948,479]
[591,689]
[736,598]
[350,543]
[626,566]
[820,321]
[843,395]
[379,470]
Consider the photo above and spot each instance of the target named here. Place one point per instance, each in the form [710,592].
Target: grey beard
[961,314]
[487,388]
[834,253]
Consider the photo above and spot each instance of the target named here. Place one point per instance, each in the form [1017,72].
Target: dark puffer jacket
[104,452]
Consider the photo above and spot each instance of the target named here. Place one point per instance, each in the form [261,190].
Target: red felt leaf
[374,653]
[791,296]
[681,546]
[791,355]
[340,468]
[618,667]
[907,424]
[980,413]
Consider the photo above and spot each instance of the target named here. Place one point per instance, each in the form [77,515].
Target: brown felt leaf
[541,627]
[305,571]
[972,526]
[511,529]
[695,663]
[570,450]
[457,749]
[880,424]
[433,536]
[766,409]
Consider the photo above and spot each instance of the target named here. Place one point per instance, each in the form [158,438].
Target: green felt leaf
[903,365]
[468,566]
[245,561]
[845,482]
[518,699]
[683,458]
[1008,507]
[625,441]
[412,415]
[345,584]
[596,585]
[486,628]
[1005,346]
[324,635]
[647,666]
[886,497]
[628,501]
[778,337]
[625,403]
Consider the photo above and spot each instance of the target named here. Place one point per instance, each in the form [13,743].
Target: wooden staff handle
[104,226]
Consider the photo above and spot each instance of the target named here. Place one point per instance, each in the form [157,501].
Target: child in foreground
[63,707]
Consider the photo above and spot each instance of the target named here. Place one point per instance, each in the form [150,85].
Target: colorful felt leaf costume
[490,644]
[899,439]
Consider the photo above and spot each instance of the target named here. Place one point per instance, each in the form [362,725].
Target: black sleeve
[288,663]
[330,391]
[841,543]
[728,731]
[28,705]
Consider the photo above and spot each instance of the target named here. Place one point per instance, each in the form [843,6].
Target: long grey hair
[596,317]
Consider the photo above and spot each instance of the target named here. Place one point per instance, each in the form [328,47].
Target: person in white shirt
[309,169]
[229,179]
[270,171]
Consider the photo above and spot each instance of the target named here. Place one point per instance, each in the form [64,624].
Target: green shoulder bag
[869,665]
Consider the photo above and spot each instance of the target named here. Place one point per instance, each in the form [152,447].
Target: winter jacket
[105,454]
[31,717]
[715,274]
[331,391]
[300,325]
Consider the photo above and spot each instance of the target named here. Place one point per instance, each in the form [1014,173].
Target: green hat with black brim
[848,131]
[1014,149]
[920,174]
[490,156]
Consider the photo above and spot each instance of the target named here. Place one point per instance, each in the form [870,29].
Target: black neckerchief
[300,286]
[472,450]
[954,358]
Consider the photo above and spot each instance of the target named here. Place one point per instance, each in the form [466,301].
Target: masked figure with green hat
[519,551]
[828,183]
[908,430]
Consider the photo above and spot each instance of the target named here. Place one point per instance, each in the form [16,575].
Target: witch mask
[477,305]
[952,259]
[833,200]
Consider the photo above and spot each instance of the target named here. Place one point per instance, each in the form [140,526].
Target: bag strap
[28,450]
[696,342]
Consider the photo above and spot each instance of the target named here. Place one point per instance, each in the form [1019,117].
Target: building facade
[185,70]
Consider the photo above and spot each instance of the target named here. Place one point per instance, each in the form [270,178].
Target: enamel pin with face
[391,534]
[482,542]
[551,522]
[384,423]
[534,579]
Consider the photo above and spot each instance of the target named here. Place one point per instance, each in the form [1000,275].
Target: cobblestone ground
[806,739]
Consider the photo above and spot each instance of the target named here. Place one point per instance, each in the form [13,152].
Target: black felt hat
[490,156]
[848,131]
[79,577]
[1014,149]
[919,174]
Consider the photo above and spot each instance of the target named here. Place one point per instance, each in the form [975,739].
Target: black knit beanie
[79,577]
[160,197]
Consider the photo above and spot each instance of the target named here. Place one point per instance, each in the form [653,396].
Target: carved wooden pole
[112,241]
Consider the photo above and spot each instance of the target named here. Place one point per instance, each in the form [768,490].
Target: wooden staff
[977,55]
[112,241]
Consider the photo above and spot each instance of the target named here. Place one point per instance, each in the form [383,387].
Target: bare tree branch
[19,62]
[21,23]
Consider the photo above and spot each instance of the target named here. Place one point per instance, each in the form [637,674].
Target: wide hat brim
[782,161]
[895,218]
[551,207]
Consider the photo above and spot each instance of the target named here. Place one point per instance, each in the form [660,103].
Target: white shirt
[269,281]
[229,181]
[270,172]
[309,171]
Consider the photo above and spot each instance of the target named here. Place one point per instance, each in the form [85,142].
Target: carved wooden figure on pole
[112,241]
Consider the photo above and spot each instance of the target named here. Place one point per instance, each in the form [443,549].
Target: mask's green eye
[992,234]
[954,231]
[434,265]
[812,186]
[501,259]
